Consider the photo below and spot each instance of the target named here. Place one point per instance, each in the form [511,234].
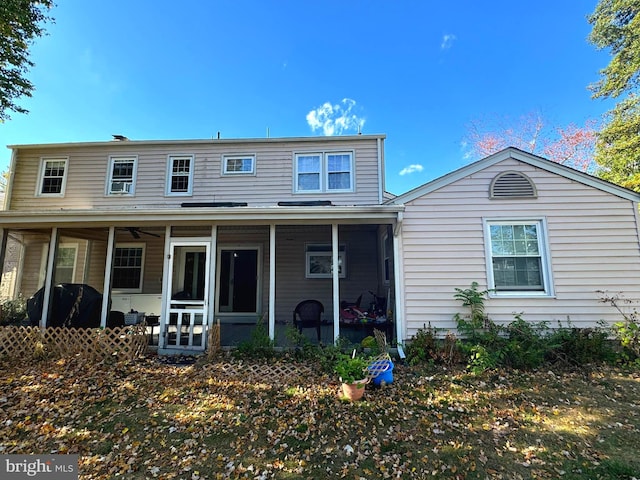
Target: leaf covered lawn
[152,420]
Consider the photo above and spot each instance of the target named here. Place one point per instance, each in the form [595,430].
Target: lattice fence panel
[93,344]
[277,373]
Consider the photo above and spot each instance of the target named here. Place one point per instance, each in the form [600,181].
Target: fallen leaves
[156,420]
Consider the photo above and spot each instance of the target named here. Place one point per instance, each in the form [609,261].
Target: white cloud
[447,41]
[416,167]
[335,119]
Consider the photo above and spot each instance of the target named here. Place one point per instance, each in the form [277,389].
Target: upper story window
[517,258]
[323,172]
[239,165]
[53,177]
[122,175]
[180,174]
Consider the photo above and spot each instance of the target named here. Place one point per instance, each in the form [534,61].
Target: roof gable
[524,157]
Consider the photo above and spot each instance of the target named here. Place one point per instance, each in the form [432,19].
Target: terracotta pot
[354,391]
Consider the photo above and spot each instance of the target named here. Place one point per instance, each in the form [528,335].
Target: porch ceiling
[198,216]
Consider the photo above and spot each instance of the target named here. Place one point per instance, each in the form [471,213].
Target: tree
[618,145]
[616,26]
[572,145]
[20,23]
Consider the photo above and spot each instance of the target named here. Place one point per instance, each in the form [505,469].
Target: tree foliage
[21,21]
[618,145]
[571,145]
[616,26]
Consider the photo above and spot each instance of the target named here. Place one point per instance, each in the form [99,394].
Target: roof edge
[520,155]
[203,141]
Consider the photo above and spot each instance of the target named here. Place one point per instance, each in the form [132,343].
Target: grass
[153,420]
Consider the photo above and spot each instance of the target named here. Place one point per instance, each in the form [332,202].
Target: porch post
[166,288]
[398,278]
[48,280]
[106,286]
[3,249]
[272,281]
[336,282]
[213,258]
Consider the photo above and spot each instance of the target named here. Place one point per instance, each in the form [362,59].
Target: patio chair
[308,314]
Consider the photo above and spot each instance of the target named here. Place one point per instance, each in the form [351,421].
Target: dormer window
[122,174]
[512,185]
[323,172]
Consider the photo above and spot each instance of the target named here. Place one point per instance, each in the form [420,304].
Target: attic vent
[512,185]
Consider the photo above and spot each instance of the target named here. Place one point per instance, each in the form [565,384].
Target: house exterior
[239,231]
[543,238]
[195,232]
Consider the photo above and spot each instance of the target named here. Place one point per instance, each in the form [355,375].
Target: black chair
[308,314]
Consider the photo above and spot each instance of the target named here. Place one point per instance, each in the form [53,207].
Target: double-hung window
[323,172]
[53,177]
[239,165]
[122,175]
[128,267]
[518,261]
[180,174]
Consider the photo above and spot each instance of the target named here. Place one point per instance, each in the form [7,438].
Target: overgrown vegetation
[485,344]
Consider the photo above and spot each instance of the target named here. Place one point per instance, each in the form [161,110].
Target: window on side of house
[180,174]
[323,172]
[319,262]
[66,259]
[517,258]
[53,177]
[128,267]
[239,165]
[122,175]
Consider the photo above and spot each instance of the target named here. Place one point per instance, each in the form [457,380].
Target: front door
[186,316]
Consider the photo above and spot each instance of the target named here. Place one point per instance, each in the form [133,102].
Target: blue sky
[417,71]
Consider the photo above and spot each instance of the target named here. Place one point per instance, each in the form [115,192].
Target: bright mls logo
[50,467]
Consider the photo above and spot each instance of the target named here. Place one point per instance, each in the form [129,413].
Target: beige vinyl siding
[292,286]
[88,171]
[592,237]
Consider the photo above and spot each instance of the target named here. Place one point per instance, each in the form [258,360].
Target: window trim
[324,171]
[323,252]
[140,245]
[170,174]
[226,158]
[545,257]
[113,159]
[63,186]
[75,247]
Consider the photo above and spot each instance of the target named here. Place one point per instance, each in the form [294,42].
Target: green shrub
[627,330]
[14,312]
[580,346]
[259,345]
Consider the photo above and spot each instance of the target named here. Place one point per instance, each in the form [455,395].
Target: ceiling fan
[136,231]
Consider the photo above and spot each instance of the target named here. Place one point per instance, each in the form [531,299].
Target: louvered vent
[512,185]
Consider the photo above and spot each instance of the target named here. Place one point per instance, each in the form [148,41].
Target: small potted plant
[353,373]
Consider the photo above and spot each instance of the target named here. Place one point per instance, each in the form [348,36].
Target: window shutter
[512,185]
